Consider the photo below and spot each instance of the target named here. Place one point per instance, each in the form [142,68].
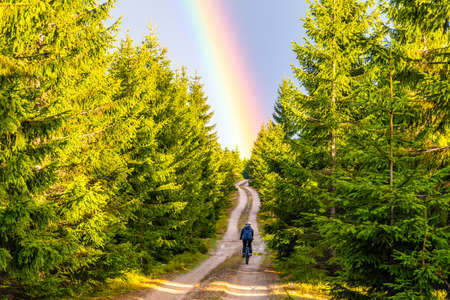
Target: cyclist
[247,238]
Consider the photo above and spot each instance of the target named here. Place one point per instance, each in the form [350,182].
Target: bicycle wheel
[247,257]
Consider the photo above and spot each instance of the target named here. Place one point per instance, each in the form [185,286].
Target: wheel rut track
[243,281]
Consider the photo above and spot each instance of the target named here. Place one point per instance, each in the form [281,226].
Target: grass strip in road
[222,271]
[246,211]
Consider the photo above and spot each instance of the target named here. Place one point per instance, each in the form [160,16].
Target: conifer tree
[108,160]
[144,76]
[203,144]
[287,92]
[175,184]
[45,48]
[381,99]
[392,235]
[328,65]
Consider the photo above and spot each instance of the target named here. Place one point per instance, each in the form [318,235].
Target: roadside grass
[293,290]
[230,265]
[184,262]
[131,281]
[222,223]
[442,295]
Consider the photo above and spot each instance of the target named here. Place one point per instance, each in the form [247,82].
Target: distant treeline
[354,173]
[108,160]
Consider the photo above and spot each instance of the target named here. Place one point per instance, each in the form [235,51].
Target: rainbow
[240,99]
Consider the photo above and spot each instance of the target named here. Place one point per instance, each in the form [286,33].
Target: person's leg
[250,246]
[243,247]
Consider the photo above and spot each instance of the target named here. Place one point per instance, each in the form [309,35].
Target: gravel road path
[230,244]
[243,281]
[239,282]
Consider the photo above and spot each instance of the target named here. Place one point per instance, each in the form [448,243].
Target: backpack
[248,233]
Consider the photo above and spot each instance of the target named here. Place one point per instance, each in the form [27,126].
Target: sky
[241,49]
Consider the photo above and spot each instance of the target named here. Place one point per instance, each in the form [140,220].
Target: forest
[353,172]
[108,160]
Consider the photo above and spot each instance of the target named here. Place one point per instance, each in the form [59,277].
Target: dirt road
[242,281]
[233,283]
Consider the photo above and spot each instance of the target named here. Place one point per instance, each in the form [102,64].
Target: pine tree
[287,93]
[47,51]
[44,50]
[329,63]
[392,235]
[175,184]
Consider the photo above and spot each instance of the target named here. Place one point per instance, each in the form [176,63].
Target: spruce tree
[143,74]
[287,92]
[378,96]
[175,182]
[45,48]
[329,62]
[108,160]
[393,235]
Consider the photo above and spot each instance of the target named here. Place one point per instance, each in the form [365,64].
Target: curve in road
[229,245]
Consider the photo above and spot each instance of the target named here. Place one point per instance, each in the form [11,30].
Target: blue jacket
[247,233]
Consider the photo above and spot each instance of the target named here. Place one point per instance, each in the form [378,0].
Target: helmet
[248,223]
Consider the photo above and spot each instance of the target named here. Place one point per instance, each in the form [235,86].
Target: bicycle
[246,254]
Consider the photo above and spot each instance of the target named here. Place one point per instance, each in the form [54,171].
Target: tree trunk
[391,138]
[424,245]
[332,188]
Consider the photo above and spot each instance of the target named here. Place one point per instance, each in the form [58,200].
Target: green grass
[244,215]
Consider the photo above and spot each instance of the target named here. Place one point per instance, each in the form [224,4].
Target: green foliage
[287,93]
[108,162]
[304,181]
[361,194]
